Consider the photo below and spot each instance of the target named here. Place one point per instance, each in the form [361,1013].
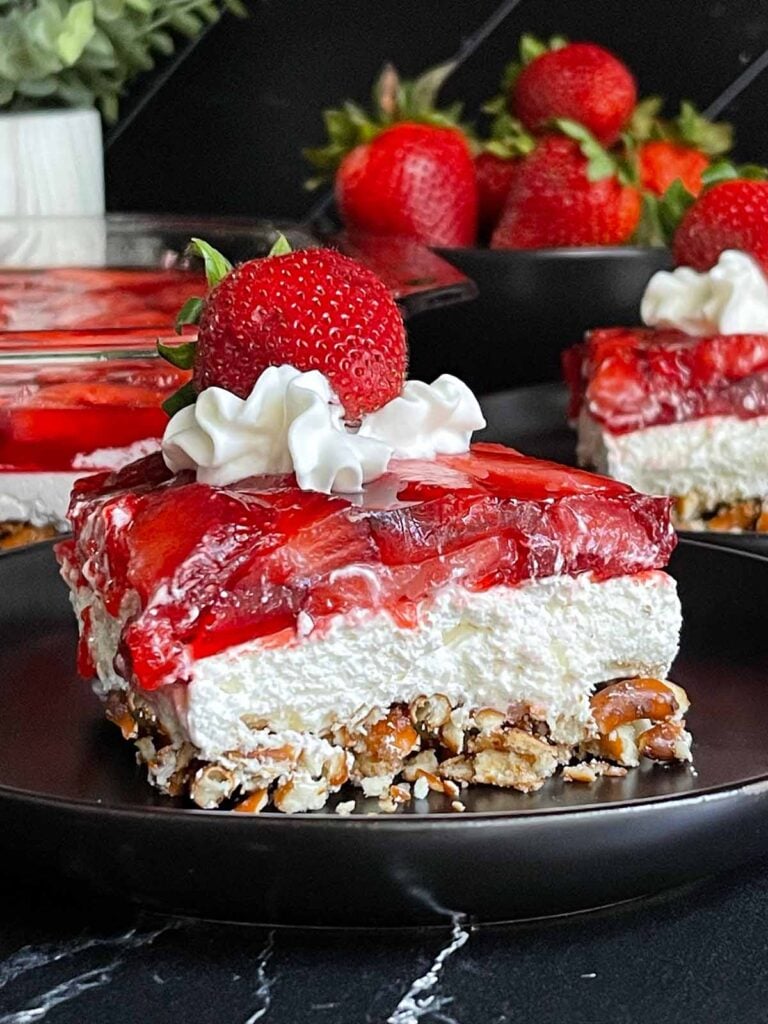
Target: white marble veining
[422,997]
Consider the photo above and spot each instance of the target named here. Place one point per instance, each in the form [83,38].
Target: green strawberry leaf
[216,265]
[644,119]
[725,170]
[181,356]
[600,164]
[712,138]
[662,214]
[649,230]
[508,139]
[188,314]
[672,206]
[281,246]
[424,90]
[186,395]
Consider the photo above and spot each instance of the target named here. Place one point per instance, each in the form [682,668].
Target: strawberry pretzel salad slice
[680,406]
[319,581]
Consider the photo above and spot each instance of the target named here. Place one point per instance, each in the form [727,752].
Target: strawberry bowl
[531,304]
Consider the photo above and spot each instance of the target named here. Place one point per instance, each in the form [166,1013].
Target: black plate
[72,800]
[532,303]
[534,420]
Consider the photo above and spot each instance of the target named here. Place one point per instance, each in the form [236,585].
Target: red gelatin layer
[53,410]
[93,298]
[203,568]
[635,377]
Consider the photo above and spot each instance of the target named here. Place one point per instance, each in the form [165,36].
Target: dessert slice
[319,581]
[681,408]
[458,620]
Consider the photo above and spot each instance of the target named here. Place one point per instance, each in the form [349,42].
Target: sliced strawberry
[631,378]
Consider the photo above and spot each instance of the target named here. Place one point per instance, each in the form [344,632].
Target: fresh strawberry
[678,149]
[579,81]
[495,166]
[412,179]
[730,215]
[562,197]
[314,309]
[494,180]
[660,163]
[406,169]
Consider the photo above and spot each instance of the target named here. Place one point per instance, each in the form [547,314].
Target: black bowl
[532,304]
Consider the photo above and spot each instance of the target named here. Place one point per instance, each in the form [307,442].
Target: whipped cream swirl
[292,422]
[731,298]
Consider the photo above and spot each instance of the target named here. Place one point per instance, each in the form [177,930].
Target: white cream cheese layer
[37,498]
[547,642]
[716,458]
[42,498]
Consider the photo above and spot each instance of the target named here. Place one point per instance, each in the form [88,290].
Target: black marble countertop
[692,954]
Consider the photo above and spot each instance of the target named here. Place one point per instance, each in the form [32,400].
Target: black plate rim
[749,786]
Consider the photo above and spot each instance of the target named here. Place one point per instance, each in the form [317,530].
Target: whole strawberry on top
[729,215]
[568,192]
[579,81]
[314,309]
[406,169]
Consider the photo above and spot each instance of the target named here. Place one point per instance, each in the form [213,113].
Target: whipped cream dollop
[293,422]
[731,298]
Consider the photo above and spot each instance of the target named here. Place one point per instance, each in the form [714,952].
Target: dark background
[224,134]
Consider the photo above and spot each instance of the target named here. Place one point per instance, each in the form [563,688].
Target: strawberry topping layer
[630,378]
[194,569]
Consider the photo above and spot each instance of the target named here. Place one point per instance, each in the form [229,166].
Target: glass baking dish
[122,270]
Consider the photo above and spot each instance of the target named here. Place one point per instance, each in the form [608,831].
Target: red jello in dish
[450,624]
[90,298]
[65,413]
[675,414]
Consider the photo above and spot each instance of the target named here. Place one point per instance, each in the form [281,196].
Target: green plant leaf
[281,246]
[189,313]
[77,29]
[600,163]
[180,356]
[186,395]
[216,266]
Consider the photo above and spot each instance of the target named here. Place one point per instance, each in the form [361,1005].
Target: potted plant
[64,66]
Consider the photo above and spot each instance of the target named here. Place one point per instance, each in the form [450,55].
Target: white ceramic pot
[51,163]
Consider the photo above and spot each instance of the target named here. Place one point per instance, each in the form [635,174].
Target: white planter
[51,163]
